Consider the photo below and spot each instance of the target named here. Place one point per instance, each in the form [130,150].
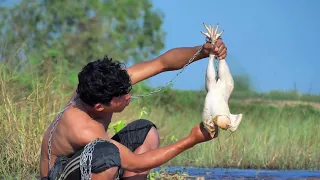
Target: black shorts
[133,135]
[105,154]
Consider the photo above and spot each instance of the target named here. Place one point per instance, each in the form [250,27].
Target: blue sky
[274,42]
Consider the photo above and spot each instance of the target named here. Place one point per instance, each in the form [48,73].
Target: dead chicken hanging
[219,87]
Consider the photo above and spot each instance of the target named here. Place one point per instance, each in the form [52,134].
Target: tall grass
[25,110]
[269,137]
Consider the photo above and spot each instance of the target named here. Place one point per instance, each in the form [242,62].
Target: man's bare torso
[64,139]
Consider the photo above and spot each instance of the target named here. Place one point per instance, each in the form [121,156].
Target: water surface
[221,173]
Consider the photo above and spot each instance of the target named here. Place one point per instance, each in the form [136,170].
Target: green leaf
[173,138]
[118,126]
[142,112]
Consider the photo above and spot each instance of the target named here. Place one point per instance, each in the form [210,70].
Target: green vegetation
[270,136]
[38,68]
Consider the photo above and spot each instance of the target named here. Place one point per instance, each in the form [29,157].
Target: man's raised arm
[173,59]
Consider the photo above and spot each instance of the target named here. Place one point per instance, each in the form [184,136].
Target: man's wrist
[204,53]
[191,141]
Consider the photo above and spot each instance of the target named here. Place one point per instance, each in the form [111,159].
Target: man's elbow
[165,61]
[161,64]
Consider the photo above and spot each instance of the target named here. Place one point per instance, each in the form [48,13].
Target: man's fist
[199,134]
[219,49]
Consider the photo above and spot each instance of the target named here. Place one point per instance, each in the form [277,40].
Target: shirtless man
[103,89]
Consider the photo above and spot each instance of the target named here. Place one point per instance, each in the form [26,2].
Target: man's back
[64,142]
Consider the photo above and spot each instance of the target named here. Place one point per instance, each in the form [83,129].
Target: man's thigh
[134,135]
[104,161]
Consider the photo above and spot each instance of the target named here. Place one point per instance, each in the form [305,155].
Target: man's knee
[153,138]
[139,136]
[152,141]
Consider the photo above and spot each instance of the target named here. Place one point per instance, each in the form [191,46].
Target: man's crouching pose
[75,145]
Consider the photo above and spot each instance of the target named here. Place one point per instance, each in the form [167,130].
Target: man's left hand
[219,49]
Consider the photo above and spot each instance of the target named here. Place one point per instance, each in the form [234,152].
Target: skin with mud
[81,123]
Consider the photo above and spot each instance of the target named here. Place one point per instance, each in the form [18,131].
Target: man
[77,138]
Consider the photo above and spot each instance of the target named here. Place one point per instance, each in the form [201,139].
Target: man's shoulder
[82,128]
[75,118]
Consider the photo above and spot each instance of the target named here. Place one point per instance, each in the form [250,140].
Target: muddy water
[218,173]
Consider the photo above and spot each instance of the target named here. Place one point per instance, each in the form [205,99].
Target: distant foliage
[70,33]
[242,83]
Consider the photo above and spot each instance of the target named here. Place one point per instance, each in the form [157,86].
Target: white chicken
[216,112]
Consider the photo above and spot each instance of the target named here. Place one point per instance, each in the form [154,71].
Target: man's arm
[139,163]
[173,59]
[151,159]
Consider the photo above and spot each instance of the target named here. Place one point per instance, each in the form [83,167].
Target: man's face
[120,103]
[117,104]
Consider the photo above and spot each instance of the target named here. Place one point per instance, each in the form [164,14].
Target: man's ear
[99,107]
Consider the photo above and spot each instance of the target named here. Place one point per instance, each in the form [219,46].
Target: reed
[270,136]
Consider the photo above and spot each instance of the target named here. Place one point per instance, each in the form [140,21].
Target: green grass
[271,137]
[268,137]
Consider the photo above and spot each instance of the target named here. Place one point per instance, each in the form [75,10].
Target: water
[220,173]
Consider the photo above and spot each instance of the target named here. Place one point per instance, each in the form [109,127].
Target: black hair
[101,80]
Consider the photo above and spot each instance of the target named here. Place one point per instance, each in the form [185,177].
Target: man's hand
[219,49]
[199,134]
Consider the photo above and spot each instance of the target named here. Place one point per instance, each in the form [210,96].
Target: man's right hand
[199,134]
